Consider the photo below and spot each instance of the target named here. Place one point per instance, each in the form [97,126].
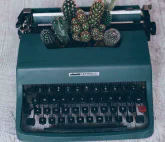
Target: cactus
[96,13]
[76,37]
[85,26]
[101,27]
[60,30]
[47,36]
[85,36]
[69,9]
[111,37]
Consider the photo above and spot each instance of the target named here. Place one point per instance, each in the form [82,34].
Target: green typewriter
[84,74]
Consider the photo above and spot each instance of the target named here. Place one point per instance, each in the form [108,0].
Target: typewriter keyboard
[88,107]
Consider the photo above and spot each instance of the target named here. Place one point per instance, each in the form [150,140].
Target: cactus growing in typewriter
[74,21]
[107,17]
[81,16]
[59,25]
[76,37]
[96,12]
[69,10]
[76,28]
[97,34]
[112,37]
[101,27]
[85,26]
[85,36]
[47,36]
[98,37]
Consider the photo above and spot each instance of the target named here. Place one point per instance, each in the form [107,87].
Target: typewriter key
[51,120]
[56,110]
[80,120]
[122,109]
[71,119]
[94,110]
[104,109]
[75,110]
[85,110]
[89,119]
[129,119]
[139,119]
[47,111]
[108,119]
[65,110]
[42,120]
[61,120]
[37,110]
[30,121]
[99,119]
[118,119]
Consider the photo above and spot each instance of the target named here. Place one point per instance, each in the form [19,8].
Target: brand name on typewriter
[84,74]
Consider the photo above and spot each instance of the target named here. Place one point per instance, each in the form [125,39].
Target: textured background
[9,43]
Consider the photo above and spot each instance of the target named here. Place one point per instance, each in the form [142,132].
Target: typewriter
[85,94]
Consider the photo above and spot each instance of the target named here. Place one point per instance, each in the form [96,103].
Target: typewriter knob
[153,28]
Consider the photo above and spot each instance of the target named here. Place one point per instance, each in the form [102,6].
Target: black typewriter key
[71,120]
[30,121]
[75,110]
[122,109]
[35,101]
[118,119]
[37,110]
[110,98]
[61,120]
[104,109]
[139,100]
[51,120]
[65,110]
[94,110]
[105,89]
[72,98]
[64,98]
[91,98]
[108,119]
[82,99]
[132,109]
[56,110]
[85,110]
[47,110]
[43,99]
[139,119]
[130,98]
[42,120]
[89,119]
[53,99]
[113,109]
[119,98]
[87,89]
[129,119]
[68,90]
[80,120]
[99,119]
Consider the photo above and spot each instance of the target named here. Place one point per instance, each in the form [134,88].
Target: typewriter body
[85,94]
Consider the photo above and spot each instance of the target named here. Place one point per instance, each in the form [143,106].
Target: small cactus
[85,36]
[112,37]
[47,36]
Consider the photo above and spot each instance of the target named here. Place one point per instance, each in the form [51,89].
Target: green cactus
[60,30]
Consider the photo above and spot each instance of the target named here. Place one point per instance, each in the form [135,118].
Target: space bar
[86,130]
